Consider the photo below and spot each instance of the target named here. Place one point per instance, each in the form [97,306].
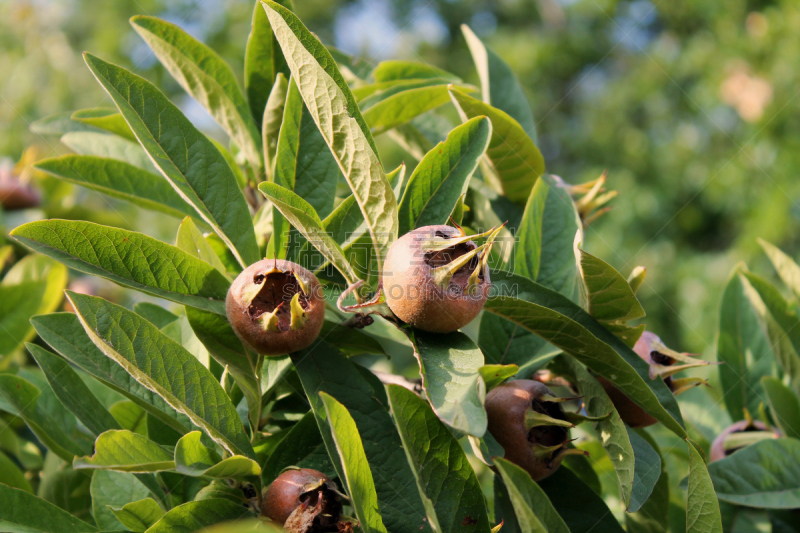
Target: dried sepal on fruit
[665,363]
[276,307]
[591,198]
[740,435]
[303,500]
[436,278]
[529,422]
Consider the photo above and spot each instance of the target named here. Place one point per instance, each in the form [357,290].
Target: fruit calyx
[303,500]
[436,278]
[529,422]
[276,306]
[740,435]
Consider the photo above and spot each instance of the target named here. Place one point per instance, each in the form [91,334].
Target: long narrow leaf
[336,113]
[130,259]
[186,157]
[206,77]
[163,366]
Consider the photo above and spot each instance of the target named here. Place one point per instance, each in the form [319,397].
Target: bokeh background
[692,107]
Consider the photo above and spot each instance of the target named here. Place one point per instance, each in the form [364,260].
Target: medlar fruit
[436,278]
[276,307]
[303,500]
[527,420]
[14,194]
[662,361]
[740,435]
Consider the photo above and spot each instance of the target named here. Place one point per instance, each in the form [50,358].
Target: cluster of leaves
[154,420]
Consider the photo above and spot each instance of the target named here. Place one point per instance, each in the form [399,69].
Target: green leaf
[130,416]
[140,515]
[111,490]
[338,118]
[323,368]
[64,332]
[192,458]
[59,124]
[784,405]
[302,216]
[73,392]
[273,114]
[301,446]
[653,516]
[193,516]
[118,179]
[787,269]
[396,69]
[543,252]
[17,304]
[447,484]
[612,434]
[350,341]
[303,163]
[357,476]
[161,365]
[207,78]
[263,62]
[21,398]
[155,314]
[442,176]
[504,342]
[450,367]
[12,476]
[23,512]
[108,146]
[702,507]
[609,296]
[125,451]
[765,474]
[513,160]
[402,102]
[494,375]
[104,118]
[129,259]
[499,84]
[567,326]
[647,470]
[191,240]
[35,284]
[216,334]
[533,509]
[193,165]
[580,507]
[742,346]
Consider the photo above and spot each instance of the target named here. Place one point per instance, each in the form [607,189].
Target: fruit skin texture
[294,488]
[248,301]
[506,405]
[411,292]
[717,450]
[629,412]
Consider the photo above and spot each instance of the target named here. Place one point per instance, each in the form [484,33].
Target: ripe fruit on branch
[527,420]
[276,306]
[740,435]
[663,362]
[436,278]
[303,500]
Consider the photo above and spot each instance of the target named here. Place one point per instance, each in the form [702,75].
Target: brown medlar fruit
[662,361]
[436,278]
[527,420]
[14,194]
[303,500]
[738,436]
[276,307]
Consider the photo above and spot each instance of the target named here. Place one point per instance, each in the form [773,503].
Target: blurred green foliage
[689,105]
